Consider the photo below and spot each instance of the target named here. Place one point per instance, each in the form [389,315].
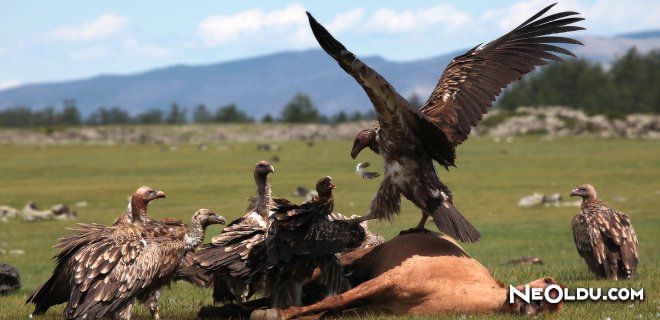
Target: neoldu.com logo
[555,294]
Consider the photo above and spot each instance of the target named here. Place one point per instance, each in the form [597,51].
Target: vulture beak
[160,194]
[575,193]
[357,147]
[215,218]
[331,185]
[271,169]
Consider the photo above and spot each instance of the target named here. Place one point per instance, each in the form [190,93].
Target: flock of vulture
[277,245]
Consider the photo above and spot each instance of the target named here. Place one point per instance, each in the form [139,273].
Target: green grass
[488,182]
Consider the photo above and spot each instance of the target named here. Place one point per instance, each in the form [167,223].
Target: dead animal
[417,274]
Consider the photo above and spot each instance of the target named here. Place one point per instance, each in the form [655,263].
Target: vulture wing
[169,227]
[619,241]
[229,251]
[472,81]
[57,289]
[231,254]
[110,273]
[390,106]
[589,244]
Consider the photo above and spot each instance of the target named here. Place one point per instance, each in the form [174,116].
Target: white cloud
[631,15]
[220,29]
[345,21]
[444,16]
[129,48]
[91,53]
[601,16]
[104,26]
[133,47]
[8,84]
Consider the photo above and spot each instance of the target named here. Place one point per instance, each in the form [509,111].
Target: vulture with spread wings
[410,139]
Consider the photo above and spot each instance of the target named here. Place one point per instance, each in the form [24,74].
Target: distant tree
[104,116]
[17,117]
[339,117]
[70,114]
[231,113]
[636,78]
[415,101]
[629,86]
[370,115]
[267,118]
[578,84]
[151,116]
[202,115]
[300,109]
[177,115]
[356,116]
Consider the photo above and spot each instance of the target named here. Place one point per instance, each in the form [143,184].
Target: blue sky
[59,40]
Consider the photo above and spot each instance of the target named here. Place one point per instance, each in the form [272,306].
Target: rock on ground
[10,281]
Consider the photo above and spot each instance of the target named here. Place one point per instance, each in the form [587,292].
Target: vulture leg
[420,226]
[349,299]
[422,222]
[124,313]
[152,304]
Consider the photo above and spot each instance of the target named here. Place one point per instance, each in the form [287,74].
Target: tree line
[300,109]
[629,85]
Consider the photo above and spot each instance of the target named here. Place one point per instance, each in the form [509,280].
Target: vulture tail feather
[450,221]
[47,295]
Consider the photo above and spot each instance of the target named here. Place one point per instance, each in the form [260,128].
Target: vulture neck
[373,143]
[589,199]
[194,236]
[326,202]
[264,196]
[137,210]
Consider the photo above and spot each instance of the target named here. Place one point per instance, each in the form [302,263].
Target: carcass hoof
[267,314]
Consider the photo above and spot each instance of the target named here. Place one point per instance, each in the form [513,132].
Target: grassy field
[488,182]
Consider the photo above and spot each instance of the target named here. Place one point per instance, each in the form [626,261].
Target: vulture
[235,257]
[302,238]
[604,237]
[57,289]
[410,139]
[123,264]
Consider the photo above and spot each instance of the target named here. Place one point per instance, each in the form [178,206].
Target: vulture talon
[358,220]
[416,230]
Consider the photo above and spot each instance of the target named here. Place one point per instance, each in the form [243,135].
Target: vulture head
[146,194]
[324,185]
[263,168]
[141,198]
[586,191]
[365,138]
[206,217]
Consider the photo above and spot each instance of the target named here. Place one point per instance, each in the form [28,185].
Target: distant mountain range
[264,84]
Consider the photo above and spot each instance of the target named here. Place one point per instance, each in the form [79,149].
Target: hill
[264,84]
